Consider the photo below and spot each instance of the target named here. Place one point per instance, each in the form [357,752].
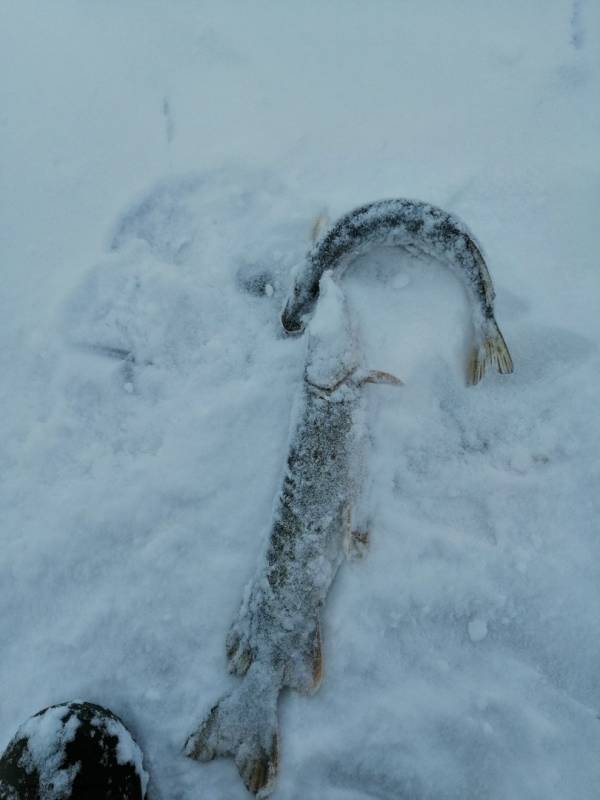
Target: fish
[275,641]
[420,228]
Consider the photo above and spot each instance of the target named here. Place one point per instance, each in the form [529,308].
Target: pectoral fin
[377,376]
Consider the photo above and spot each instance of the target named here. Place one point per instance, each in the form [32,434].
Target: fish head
[300,300]
[332,344]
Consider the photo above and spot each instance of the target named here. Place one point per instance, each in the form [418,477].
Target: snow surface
[332,350]
[158,160]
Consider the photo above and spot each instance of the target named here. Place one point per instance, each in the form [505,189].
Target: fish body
[275,642]
[420,228]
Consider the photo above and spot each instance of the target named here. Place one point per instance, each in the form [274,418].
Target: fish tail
[491,350]
[243,725]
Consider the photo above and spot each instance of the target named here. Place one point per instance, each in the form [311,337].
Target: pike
[275,642]
[419,228]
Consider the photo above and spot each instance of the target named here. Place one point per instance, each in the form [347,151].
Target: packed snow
[162,166]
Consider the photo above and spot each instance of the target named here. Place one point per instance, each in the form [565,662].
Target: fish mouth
[291,327]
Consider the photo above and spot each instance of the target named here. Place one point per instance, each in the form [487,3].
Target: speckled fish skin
[275,641]
[418,227]
[279,621]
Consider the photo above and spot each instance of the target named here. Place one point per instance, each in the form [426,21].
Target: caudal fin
[242,725]
[492,350]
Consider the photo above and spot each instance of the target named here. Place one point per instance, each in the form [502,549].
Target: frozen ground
[157,156]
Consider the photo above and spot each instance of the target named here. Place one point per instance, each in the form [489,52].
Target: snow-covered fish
[417,227]
[275,642]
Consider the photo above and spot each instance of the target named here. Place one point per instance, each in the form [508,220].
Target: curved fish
[417,227]
[275,642]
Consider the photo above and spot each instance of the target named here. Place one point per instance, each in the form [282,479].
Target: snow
[331,352]
[477,629]
[162,166]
